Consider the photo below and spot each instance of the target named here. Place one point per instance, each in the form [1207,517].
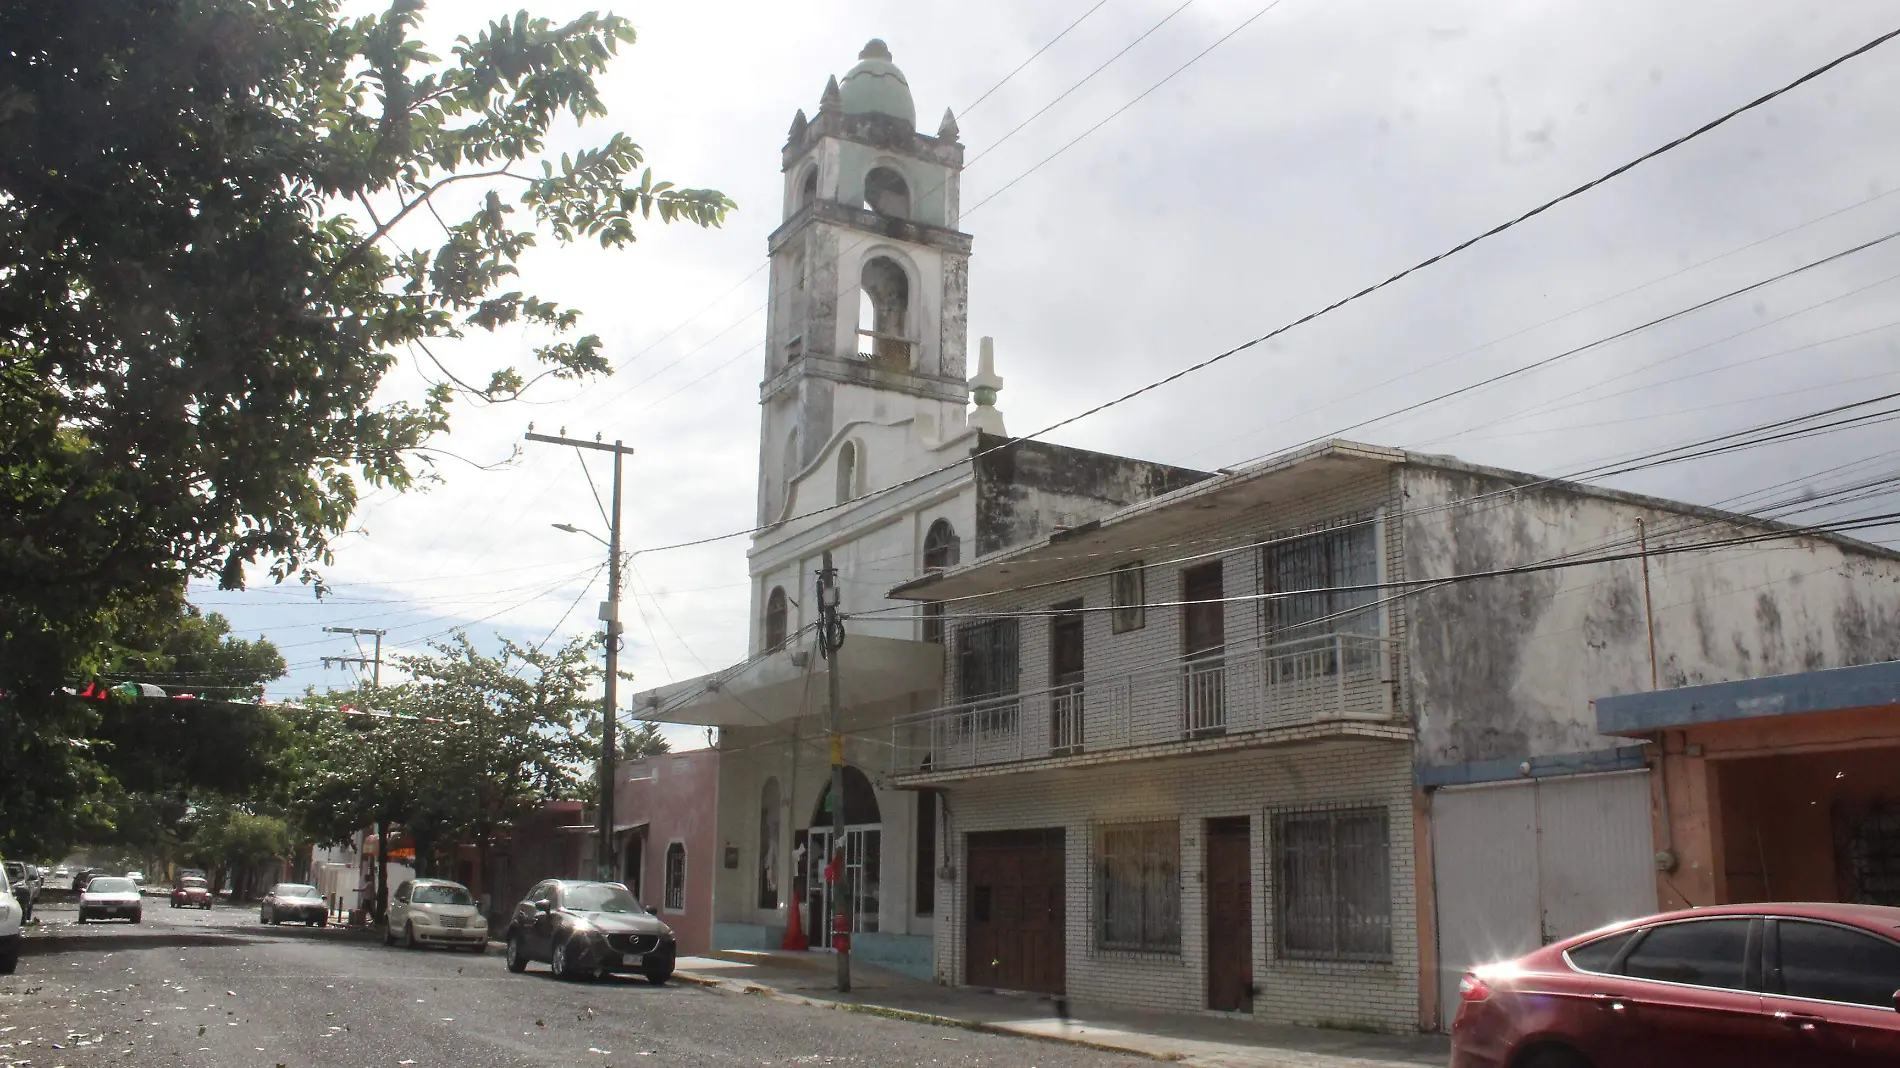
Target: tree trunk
[382,870]
[482,895]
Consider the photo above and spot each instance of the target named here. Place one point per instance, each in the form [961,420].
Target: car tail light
[1472,988]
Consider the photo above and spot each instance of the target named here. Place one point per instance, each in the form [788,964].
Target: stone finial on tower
[833,100]
[947,129]
[799,122]
[983,390]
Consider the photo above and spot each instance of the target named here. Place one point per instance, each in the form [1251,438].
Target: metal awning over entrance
[781,685]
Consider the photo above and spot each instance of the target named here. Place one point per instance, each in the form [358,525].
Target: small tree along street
[222,224]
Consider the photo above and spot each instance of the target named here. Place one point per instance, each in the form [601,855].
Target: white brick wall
[1252,784]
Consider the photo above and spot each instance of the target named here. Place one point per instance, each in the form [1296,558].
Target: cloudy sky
[1322,147]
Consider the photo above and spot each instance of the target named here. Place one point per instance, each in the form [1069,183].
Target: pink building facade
[667,839]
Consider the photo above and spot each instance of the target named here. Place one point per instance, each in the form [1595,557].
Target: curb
[731,986]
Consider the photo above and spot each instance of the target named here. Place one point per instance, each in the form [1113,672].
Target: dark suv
[586,930]
[26,881]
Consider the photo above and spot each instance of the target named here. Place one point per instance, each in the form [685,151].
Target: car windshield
[111,886]
[600,897]
[294,890]
[189,883]
[442,895]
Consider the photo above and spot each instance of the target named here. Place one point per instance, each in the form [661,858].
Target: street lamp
[610,616]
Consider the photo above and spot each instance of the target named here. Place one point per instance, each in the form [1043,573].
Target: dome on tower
[876,87]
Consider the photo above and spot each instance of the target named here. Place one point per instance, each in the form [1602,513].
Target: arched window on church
[808,190]
[847,471]
[883,312]
[941,550]
[768,844]
[886,192]
[775,618]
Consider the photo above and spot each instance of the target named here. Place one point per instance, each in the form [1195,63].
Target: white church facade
[869,449]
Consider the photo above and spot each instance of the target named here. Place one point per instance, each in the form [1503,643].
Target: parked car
[293,902]
[585,930]
[426,911]
[1731,985]
[25,880]
[107,896]
[137,877]
[12,917]
[191,893]
[81,877]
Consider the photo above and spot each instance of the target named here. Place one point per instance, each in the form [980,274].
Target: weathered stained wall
[1026,488]
[1506,668]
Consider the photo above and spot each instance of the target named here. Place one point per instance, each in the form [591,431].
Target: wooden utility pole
[610,619]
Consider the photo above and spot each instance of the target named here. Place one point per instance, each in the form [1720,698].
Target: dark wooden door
[1229,915]
[1203,626]
[1065,677]
[1015,912]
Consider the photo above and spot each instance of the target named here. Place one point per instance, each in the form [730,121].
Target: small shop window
[1128,592]
[1333,885]
[675,877]
[1138,887]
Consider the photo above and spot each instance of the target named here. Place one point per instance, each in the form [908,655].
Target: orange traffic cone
[794,930]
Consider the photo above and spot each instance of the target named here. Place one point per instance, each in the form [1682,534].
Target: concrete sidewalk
[1215,1040]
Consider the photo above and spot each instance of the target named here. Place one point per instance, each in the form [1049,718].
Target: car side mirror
[543,907]
[1896,1000]
[651,911]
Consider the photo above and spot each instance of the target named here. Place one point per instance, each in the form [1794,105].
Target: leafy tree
[227,839]
[190,652]
[222,222]
[643,740]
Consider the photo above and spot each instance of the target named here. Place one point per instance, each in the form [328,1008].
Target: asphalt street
[219,990]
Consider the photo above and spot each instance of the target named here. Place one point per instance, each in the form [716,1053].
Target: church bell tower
[869,275]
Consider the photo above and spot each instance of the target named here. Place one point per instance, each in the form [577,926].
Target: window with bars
[675,877]
[942,549]
[1332,885]
[1322,562]
[1127,592]
[1138,887]
[986,668]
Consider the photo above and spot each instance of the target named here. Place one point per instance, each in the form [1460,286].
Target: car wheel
[562,965]
[324,922]
[389,936]
[479,947]
[409,937]
[1554,1057]
[517,955]
[9,960]
[658,972]
[138,916]
[82,916]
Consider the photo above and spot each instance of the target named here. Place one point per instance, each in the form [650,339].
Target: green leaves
[222,223]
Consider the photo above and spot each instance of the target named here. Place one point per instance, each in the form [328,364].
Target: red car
[1731,986]
[191,893]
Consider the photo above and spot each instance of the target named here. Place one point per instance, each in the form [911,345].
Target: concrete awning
[792,681]
[1829,690]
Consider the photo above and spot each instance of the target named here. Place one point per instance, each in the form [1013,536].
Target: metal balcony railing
[1325,678]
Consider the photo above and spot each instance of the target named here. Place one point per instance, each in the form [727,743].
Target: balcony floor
[1275,737]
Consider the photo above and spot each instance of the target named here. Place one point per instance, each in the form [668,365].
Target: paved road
[218,990]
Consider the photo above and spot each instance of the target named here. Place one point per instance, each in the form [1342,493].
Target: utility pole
[374,663]
[830,641]
[610,618]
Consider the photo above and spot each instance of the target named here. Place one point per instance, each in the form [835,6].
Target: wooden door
[1065,677]
[1014,912]
[1229,915]
[1203,640]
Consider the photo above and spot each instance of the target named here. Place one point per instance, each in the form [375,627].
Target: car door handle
[1801,1021]
[1610,1002]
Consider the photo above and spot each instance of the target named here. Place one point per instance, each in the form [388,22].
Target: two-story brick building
[1310,738]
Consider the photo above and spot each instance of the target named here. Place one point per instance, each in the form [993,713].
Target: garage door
[1521,864]
[1015,911]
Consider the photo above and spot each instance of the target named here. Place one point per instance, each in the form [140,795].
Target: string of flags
[102,691]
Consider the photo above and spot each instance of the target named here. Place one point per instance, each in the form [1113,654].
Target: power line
[1033,56]
[1343,301]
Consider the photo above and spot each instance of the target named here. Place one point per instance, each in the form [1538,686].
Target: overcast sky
[1323,147]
